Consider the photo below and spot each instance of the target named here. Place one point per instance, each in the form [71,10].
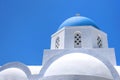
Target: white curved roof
[13,74]
[78,64]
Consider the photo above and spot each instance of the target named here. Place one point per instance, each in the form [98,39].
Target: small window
[77,40]
[57,43]
[99,42]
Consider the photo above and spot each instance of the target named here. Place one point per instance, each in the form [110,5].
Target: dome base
[74,77]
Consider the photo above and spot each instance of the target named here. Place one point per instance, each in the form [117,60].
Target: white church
[79,51]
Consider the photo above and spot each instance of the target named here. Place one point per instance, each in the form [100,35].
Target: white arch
[101,58]
[18,65]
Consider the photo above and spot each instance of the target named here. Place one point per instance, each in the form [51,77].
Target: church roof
[78,64]
[78,21]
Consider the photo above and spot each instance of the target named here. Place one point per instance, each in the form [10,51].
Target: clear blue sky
[26,25]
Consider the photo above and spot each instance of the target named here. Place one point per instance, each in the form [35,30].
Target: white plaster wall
[107,53]
[85,36]
[94,34]
[35,69]
[61,35]
[89,36]
[118,69]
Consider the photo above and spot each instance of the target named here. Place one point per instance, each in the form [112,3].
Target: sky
[26,26]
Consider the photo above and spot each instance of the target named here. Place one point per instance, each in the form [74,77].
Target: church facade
[79,51]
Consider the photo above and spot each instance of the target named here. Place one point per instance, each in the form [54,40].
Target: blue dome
[78,21]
